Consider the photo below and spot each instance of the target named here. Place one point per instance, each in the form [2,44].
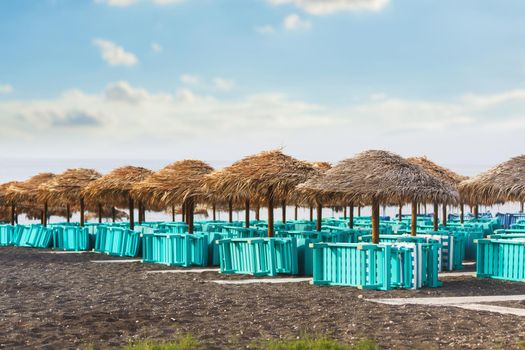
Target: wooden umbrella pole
[42,217]
[270,215]
[375,222]
[99,213]
[445,218]
[214,212]
[521,207]
[319,220]
[113,214]
[283,206]
[413,223]
[351,220]
[344,212]
[247,213]
[183,212]
[436,215]
[82,208]
[258,213]
[190,210]
[13,214]
[46,207]
[461,213]
[143,213]
[68,212]
[311,214]
[400,213]
[230,210]
[296,216]
[358,210]
[131,214]
[475,211]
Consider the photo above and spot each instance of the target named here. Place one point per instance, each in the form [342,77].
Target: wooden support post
[319,222]
[183,212]
[131,214]
[283,206]
[358,211]
[462,213]
[247,213]
[258,213]
[190,209]
[436,217]
[68,212]
[344,212]
[270,215]
[475,211]
[521,207]
[99,213]
[311,214]
[214,212]
[13,214]
[296,213]
[82,209]
[375,222]
[45,214]
[413,224]
[113,214]
[230,211]
[400,213]
[445,215]
[351,219]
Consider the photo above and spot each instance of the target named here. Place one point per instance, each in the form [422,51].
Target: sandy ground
[65,301]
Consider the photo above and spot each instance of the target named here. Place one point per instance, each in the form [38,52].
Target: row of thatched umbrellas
[266,179]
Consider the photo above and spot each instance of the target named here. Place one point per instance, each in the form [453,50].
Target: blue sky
[220,79]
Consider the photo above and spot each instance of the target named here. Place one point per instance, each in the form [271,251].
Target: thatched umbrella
[115,188]
[375,177]
[445,175]
[270,176]
[67,188]
[3,200]
[177,183]
[23,194]
[502,183]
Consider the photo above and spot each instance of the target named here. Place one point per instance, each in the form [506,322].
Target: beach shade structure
[179,183]
[380,177]
[502,183]
[114,190]
[23,195]
[3,201]
[445,175]
[268,176]
[66,188]
[107,213]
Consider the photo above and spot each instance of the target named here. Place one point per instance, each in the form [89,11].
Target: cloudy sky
[221,79]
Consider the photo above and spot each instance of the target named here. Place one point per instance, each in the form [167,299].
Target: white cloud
[293,22]
[266,29]
[223,84]
[5,89]
[117,3]
[114,54]
[156,47]
[190,79]
[325,7]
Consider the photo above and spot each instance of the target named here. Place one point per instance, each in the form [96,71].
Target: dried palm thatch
[3,200]
[67,187]
[502,183]
[25,192]
[444,174]
[115,187]
[107,213]
[374,177]
[173,184]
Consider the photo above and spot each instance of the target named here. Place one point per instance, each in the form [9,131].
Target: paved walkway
[468,303]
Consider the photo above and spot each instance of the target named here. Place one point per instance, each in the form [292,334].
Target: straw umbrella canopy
[23,194]
[67,188]
[445,175]
[269,175]
[502,183]
[115,188]
[180,182]
[3,200]
[375,177]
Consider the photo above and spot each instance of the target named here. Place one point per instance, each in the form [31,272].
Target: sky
[221,79]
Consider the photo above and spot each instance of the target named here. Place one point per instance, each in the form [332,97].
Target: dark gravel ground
[59,301]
